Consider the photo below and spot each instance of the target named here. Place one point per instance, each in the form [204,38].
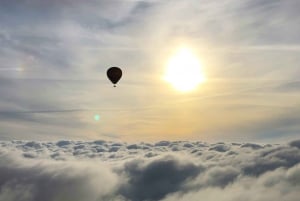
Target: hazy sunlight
[184,71]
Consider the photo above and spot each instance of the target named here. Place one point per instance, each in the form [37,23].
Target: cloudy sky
[54,56]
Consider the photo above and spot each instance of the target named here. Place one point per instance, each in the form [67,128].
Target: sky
[54,56]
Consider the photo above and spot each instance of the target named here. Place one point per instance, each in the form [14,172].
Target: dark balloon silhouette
[114,74]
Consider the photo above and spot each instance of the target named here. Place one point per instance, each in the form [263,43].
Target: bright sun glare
[184,71]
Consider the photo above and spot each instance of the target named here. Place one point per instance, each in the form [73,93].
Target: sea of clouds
[167,171]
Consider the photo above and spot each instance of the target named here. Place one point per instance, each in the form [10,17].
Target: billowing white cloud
[180,170]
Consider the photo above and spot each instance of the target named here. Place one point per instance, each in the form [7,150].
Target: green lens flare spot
[96,117]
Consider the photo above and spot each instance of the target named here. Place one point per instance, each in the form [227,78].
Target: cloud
[278,185]
[220,148]
[106,170]
[295,143]
[49,181]
[156,179]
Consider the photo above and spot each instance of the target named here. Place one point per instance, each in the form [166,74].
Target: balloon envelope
[114,74]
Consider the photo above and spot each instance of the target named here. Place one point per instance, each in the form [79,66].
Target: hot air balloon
[114,74]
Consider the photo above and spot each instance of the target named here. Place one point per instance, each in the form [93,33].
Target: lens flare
[96,117]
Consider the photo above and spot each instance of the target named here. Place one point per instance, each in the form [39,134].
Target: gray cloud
[49,181]
[156,179]
[295,143]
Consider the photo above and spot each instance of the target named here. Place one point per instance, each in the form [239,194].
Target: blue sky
[54,56]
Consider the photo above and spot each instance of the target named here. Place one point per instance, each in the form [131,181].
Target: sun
[184,71]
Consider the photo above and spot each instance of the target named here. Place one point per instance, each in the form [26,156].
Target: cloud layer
[181,170]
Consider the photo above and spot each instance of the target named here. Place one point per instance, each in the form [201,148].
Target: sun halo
[184,71]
